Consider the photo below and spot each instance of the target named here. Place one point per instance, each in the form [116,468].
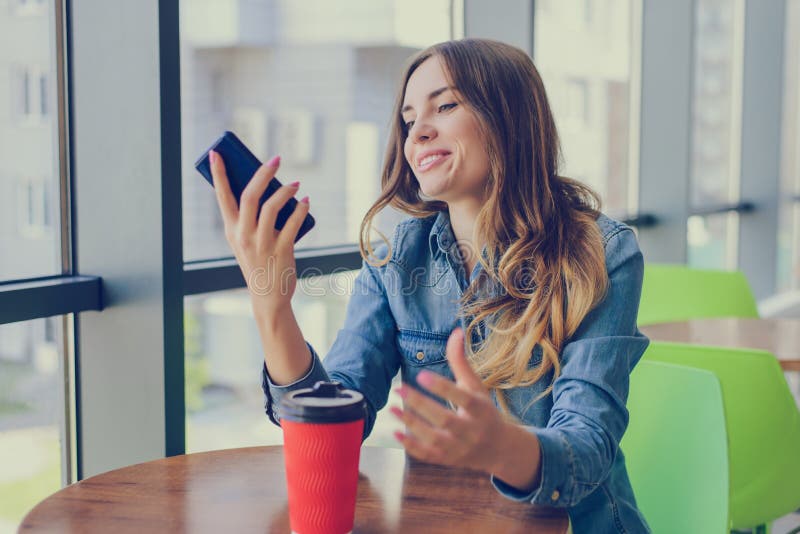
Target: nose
[422,132]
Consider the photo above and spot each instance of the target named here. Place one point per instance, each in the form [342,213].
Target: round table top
[781,337]
[244,490]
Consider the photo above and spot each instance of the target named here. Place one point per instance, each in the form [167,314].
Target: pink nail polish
[212,157]
[274,162]
[294,184]
[304,200]
[402,392]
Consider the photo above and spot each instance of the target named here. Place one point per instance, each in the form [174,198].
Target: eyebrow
[434,94]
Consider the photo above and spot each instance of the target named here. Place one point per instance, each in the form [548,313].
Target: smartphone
[241,165]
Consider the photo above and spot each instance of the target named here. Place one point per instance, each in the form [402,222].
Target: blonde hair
[543,246]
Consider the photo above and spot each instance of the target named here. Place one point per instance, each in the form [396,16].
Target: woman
[536,399]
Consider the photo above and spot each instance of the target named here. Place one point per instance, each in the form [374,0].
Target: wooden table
[244,490]
[781,337]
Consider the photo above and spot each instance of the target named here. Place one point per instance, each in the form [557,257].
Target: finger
[419,450]
[248,204]
[294,222]
[416,426]
[444,388]
[222,188]
[269,211]
[430,410]
[459,364]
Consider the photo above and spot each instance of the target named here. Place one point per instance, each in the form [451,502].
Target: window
[223,359]
[577,102]
[35,217]
[36,359]
[716,116]
[30,7]
[788,261]
[315,82]
[586,59]
[32,94]
[305,80]
[708,240]
[32,421]
[30,244]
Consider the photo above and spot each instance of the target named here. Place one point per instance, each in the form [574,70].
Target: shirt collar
[441,236]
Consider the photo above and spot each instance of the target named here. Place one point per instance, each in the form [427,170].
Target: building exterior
[29,194]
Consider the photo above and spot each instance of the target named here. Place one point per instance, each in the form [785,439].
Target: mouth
[429,160]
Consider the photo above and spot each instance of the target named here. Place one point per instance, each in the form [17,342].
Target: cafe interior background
[125,331]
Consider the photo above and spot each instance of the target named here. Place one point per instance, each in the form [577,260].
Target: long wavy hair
[543,247]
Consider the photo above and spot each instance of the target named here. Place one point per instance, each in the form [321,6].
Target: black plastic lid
[326,402]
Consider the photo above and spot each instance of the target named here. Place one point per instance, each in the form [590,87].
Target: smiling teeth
[429,159]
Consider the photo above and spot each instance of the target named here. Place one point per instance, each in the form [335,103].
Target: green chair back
[675,449]
[763,428]
[679,293]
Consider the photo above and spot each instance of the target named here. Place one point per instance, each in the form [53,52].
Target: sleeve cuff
[554,485]
[274,393]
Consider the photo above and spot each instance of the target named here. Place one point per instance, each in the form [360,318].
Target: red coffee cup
[322,431]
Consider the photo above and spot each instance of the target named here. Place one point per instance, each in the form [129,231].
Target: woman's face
[444,146]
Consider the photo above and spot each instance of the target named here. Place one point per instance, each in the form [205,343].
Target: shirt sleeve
[589,417]
[274,393]
[364,357]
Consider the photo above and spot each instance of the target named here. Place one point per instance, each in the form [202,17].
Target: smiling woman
[530,386]
[444,142]
[494,240]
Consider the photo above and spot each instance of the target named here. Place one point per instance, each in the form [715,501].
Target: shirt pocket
[423,351]
[420,349]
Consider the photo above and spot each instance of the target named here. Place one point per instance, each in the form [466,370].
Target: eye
[445,107]
[409,125]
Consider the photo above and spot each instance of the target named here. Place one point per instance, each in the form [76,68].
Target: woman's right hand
[264,254]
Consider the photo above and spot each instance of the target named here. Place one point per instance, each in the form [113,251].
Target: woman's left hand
[472,436]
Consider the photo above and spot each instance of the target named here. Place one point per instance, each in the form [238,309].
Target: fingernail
[212,157]
[274,162]
[398,436]
[294,184]
[402,392]
[396,411]
[304,200]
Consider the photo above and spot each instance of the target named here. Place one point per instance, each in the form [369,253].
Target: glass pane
[224,401]
[30,244]
[709,240]
[31,416]
[789,215]
[313,81]
[584,52]
[716,105]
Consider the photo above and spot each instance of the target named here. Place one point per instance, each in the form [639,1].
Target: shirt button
[554,497]
[420,355]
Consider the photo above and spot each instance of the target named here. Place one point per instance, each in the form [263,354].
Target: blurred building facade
[30,239]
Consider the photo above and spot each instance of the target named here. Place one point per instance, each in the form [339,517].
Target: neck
[462,220]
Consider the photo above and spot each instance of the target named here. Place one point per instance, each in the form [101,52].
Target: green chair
[679,293]
[675,449]
[763,429]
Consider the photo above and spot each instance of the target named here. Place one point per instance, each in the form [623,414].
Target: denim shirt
[400,317]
